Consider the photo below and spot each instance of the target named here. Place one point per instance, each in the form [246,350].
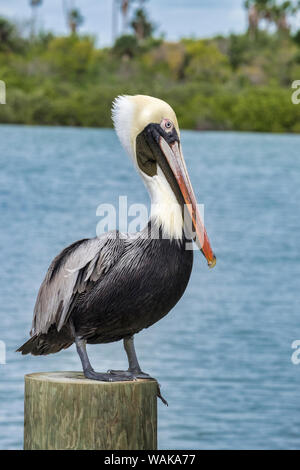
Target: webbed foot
[138,374]
[105,377]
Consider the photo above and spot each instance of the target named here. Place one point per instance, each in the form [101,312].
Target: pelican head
[148,130]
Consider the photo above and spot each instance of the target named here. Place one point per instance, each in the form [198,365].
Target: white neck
[131,114]
[165,209]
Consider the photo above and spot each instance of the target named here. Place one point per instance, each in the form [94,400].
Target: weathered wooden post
[63,410]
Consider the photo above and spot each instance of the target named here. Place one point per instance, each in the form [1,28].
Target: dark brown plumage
[129,284]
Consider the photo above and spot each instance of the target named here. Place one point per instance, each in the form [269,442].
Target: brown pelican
[110,287]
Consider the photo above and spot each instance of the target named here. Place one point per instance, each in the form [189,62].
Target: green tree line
[237,82]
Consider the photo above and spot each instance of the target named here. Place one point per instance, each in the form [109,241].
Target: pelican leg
[89,372]
[134,367]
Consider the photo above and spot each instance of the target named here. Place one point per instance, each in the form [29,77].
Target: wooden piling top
[64,410]
[75,378]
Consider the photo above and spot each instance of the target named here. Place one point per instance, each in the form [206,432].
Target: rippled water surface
[223,355]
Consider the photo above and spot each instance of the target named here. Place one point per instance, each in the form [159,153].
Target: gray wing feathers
[70,273]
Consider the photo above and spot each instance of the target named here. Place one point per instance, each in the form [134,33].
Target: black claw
[123,376]
[159,395]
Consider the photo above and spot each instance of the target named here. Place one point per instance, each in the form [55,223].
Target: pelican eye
[167,125]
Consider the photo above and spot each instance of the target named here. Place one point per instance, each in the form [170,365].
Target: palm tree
[124,10]
[73,17]
[253,17]
[281,12]
[75,20]
[141,26]
[258,10]
[123,7]
[34,4]
[114,20]
[272,12]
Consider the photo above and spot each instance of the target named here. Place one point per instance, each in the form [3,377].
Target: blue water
[223,355]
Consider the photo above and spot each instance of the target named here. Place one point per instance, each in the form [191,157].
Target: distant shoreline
[232,83]
[196,131]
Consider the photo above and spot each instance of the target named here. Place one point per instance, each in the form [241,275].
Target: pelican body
[111,287]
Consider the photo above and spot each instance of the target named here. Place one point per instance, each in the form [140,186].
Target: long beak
[176,162]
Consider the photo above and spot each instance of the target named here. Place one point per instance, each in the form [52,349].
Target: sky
[174,18]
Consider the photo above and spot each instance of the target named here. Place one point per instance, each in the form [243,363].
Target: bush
[222,83]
